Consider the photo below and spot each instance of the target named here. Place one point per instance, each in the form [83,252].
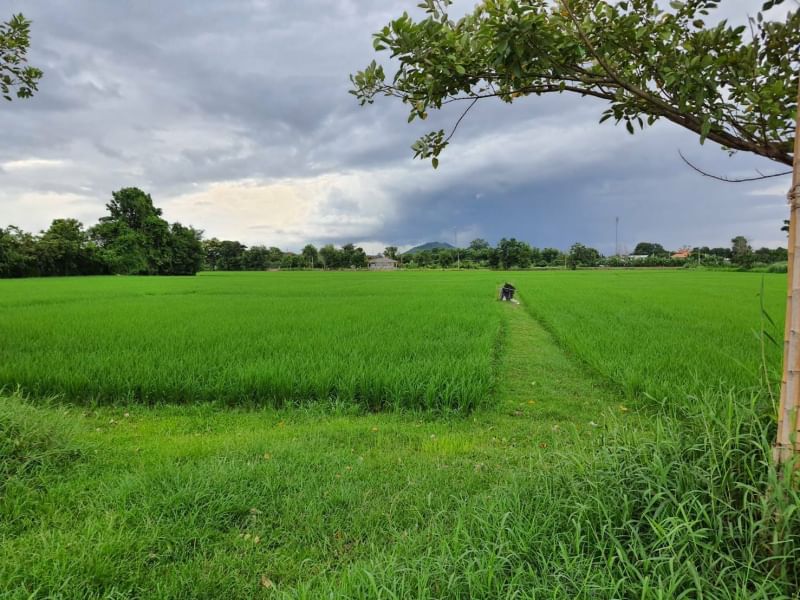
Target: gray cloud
[236,117]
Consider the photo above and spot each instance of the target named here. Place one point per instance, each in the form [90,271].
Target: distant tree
[358,258]
[65,249]
[231,255]
[478,244]
[186,250]
[310,255]
[650,249]
[212,249]
[582,256]
[550,255]
[329,256]
[390,252]
[275,256]
[770,255]
[721,252]
[741,252]
[17,253]
[290,260]
[16,77]
[256,258]
[512,253]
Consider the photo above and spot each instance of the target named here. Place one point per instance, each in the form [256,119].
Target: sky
[235,116]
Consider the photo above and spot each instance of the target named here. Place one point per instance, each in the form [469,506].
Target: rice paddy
[258,339]
[575,457]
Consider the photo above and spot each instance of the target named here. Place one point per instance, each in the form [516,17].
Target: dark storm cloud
[236,117]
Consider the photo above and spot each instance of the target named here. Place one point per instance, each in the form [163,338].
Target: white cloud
[32,164]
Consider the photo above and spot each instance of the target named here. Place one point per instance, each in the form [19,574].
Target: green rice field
[394,435]
[244,338]
[404,340]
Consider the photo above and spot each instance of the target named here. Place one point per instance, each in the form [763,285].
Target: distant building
[682,253]
[382,263]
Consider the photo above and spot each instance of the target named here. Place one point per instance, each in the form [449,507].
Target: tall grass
[697,512]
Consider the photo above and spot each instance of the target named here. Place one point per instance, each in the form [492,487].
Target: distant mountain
[429,246]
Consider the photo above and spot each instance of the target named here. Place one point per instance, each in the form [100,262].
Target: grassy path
[207,502]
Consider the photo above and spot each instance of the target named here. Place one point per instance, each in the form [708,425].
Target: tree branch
[728,179]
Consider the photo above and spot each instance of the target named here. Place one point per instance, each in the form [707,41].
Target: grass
[555,486]
[247,338]
[664,333]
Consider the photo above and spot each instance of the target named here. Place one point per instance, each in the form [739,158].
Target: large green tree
[17,78]
[135,240]
[733,84]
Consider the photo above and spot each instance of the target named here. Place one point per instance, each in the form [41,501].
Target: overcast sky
[235,116]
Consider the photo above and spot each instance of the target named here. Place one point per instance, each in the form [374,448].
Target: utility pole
[616,237]
[787,444]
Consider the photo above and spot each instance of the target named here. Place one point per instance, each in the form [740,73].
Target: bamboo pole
[787,443]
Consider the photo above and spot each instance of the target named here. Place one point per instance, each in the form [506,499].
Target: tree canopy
[733,84]
[132,240]
[17,78]
[650,248]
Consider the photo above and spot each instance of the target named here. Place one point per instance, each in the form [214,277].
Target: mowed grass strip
[375,340]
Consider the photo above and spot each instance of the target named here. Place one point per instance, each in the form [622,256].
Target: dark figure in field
[507,293]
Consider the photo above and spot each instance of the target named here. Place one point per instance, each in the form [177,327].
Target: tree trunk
[787,444]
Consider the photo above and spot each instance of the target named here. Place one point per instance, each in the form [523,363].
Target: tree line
[229,255]
[133,239]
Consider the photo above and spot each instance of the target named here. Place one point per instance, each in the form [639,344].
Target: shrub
[778,267]
[32,438]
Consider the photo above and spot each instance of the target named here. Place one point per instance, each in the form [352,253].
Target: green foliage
[137,241]
[310,255]
[16,77]
[65,249]
[582,256]
[17,253]
[650,249]
[734,85]
[132,240]
[778,267]
[510,253]
[185,250]
[741,252]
